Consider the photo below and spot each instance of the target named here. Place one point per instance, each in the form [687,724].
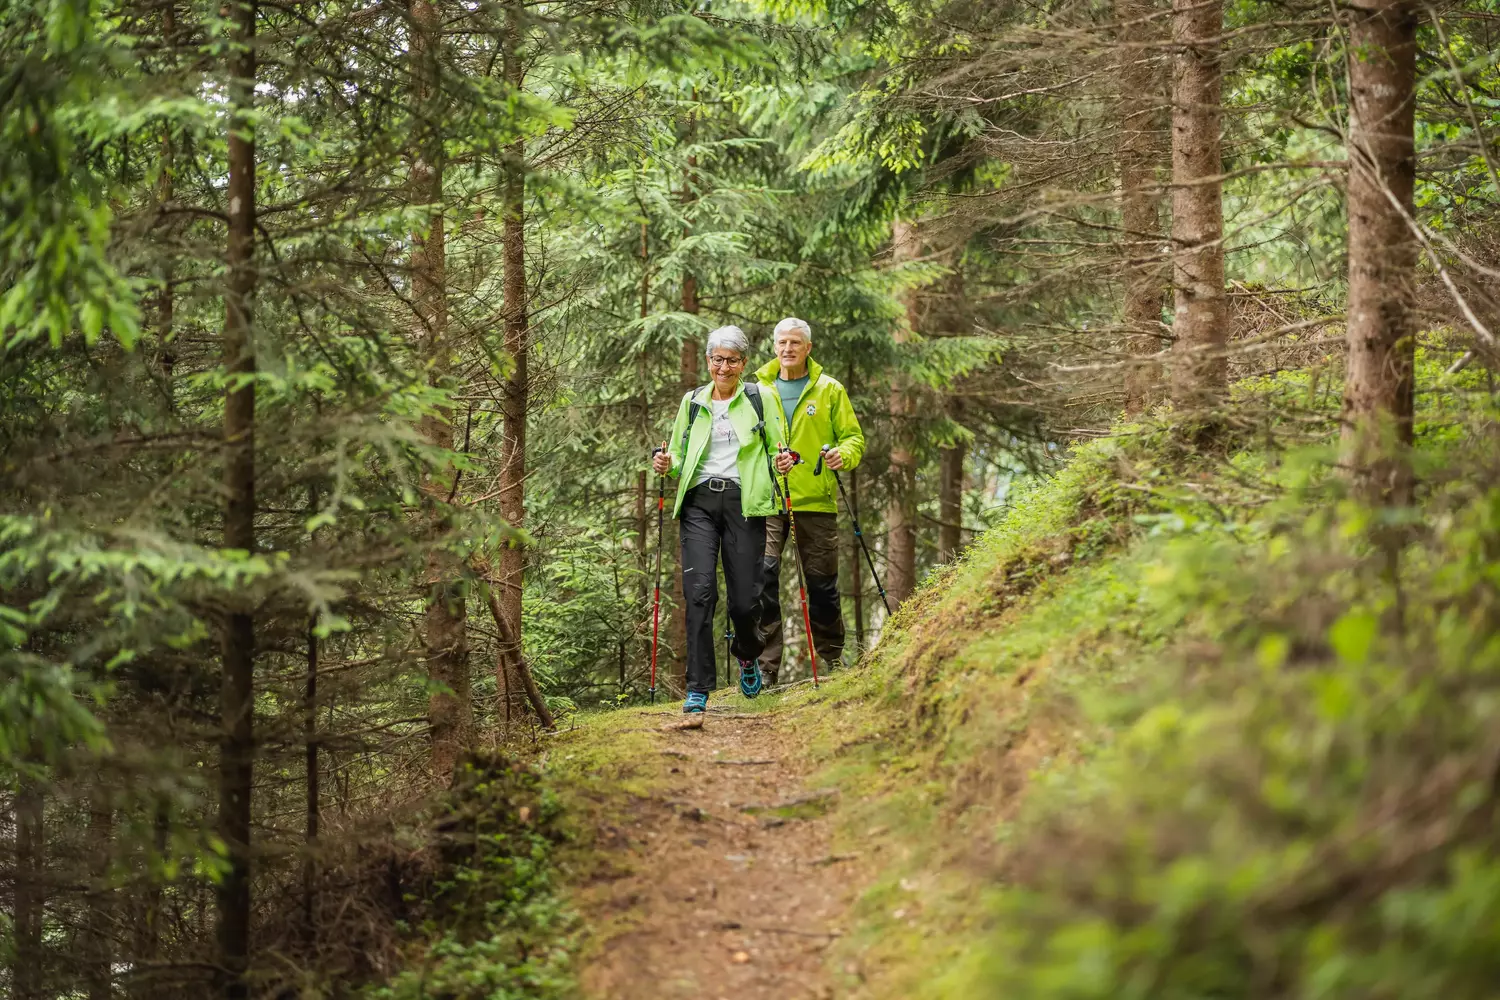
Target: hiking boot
[696,703]
[750,679]
[770,675]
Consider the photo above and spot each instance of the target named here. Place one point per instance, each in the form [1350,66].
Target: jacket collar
[704,393]
[768,372]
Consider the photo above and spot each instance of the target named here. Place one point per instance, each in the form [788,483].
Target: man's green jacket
[757,498]
[823,415]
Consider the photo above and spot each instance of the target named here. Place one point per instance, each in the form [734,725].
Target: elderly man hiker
[817,412]
[724,445]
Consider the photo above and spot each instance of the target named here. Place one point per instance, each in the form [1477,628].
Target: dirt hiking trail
[719,883]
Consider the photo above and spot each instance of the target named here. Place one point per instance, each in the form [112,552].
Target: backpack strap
[693,407]
[752,390]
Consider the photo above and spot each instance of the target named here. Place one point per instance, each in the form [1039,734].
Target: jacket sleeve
[674,443]
[846,430]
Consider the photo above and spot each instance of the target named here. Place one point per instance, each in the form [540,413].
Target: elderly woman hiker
[723,447]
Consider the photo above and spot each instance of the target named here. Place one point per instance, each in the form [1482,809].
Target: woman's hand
[833,459]
[661,461]
[784,462]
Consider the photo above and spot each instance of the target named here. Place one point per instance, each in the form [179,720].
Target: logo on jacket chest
[811,409]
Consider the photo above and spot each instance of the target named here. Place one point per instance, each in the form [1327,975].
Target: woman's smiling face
[725,366]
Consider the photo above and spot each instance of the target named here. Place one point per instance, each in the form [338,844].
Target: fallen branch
[735,925]
[511,647]
[833,859]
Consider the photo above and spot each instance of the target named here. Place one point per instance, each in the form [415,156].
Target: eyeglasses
[721,361]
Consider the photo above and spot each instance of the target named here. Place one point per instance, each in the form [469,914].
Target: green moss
[1157,698]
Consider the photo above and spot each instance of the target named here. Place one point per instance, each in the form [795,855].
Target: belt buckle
[717,485]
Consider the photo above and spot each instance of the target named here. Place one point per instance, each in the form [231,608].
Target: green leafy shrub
[1308,807]
[493,927]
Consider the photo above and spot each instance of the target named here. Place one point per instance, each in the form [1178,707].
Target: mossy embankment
[1191,725]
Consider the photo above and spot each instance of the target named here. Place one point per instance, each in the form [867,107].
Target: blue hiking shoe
[696,703]
[750,679]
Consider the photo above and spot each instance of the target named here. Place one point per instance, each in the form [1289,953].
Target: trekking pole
[728,646]
[661,503]
[791,520]
[859,536]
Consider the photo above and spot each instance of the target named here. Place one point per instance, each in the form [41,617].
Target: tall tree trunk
[1200,322]
[97,952]
[446,639]
[517,385]
[690,369]
[950,502]
[1377,410]
[1143,165]
[310,774]
[690,196]
[27,974]
[673,664]
[901,512]
[238,695]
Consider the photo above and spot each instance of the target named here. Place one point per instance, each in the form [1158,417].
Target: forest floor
[710,868]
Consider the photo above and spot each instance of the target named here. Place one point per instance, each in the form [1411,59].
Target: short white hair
[731,338]
[793,323]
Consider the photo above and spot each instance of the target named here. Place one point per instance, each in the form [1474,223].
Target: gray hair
[793,323]
[731,338]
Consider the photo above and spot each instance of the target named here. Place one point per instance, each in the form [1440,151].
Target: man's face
[792,350]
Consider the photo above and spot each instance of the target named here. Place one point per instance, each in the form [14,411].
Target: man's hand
[784,462]
[661,461]
[833,459]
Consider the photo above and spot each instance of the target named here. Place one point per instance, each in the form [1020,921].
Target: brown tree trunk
[690,345]
[517,386]
[310,775]
[672,662]
[449,714]
[237,703]
[690,370]
[1377,409]
[97,952]
[950,503]
[901,512]
[1200,322]
[27,974]
[1142,159]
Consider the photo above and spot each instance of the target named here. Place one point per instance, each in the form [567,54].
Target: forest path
[718,882]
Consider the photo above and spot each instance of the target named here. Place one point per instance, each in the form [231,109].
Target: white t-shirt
[722,458]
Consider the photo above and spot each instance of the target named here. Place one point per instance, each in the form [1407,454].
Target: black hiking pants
[711,523]
[818,544]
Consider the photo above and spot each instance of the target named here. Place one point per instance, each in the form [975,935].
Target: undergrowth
[491,925]
[1192,725]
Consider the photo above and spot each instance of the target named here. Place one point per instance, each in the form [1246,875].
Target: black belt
[716,485]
